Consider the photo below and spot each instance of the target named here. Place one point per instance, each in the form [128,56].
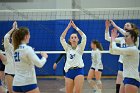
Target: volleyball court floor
[54,86]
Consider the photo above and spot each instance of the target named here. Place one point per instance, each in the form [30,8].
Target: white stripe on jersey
[74,57]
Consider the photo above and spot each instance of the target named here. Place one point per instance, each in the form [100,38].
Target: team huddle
[20,60]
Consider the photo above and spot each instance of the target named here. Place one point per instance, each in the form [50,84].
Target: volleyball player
[3,60]
[130,54]
[9,67]
[121,41]
[96,67]
[74,64]
[57,62]
[127,26]
[25,60]
[2,68]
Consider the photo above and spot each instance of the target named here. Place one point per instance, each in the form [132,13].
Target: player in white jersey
[9,67]
[131,78]
[121,41]
[96,67]
[2,67]
[127,26]
[25,62]
[74,64]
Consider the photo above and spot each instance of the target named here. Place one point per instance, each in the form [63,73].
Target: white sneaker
[94,91]
[97,91]
[62,89]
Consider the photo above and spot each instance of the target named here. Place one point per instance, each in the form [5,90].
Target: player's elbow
[5,62]
[39,65]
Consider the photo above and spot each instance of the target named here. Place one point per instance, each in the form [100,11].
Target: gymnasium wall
[45,37]
[67,4]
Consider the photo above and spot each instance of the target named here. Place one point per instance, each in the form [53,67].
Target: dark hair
[12,33]
[134,27]
[98,44]
[18,36]
[133,35]
[69,42]
[75,34]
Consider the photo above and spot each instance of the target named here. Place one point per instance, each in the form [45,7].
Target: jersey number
[16,56]
[124,45]
[72,56]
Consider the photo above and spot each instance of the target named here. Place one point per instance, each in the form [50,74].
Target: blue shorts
[25,88]
[131,81]
[101,70]
[120,66]
[72,73]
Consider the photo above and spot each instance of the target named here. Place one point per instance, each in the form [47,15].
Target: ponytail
[18,36]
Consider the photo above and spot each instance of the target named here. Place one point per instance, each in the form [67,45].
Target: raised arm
[117,27]
[7,36]
[77,29]
[118,50]
[63,35]
[122,51]
[66,30]
[84,38]
[35,59]
[107,35]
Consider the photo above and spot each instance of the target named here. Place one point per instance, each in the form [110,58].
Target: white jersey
[74,56]
[130,60]
[9,51]
[96,57]
[121,41]
[25,62]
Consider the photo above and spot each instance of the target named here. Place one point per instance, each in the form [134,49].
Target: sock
[118,88]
